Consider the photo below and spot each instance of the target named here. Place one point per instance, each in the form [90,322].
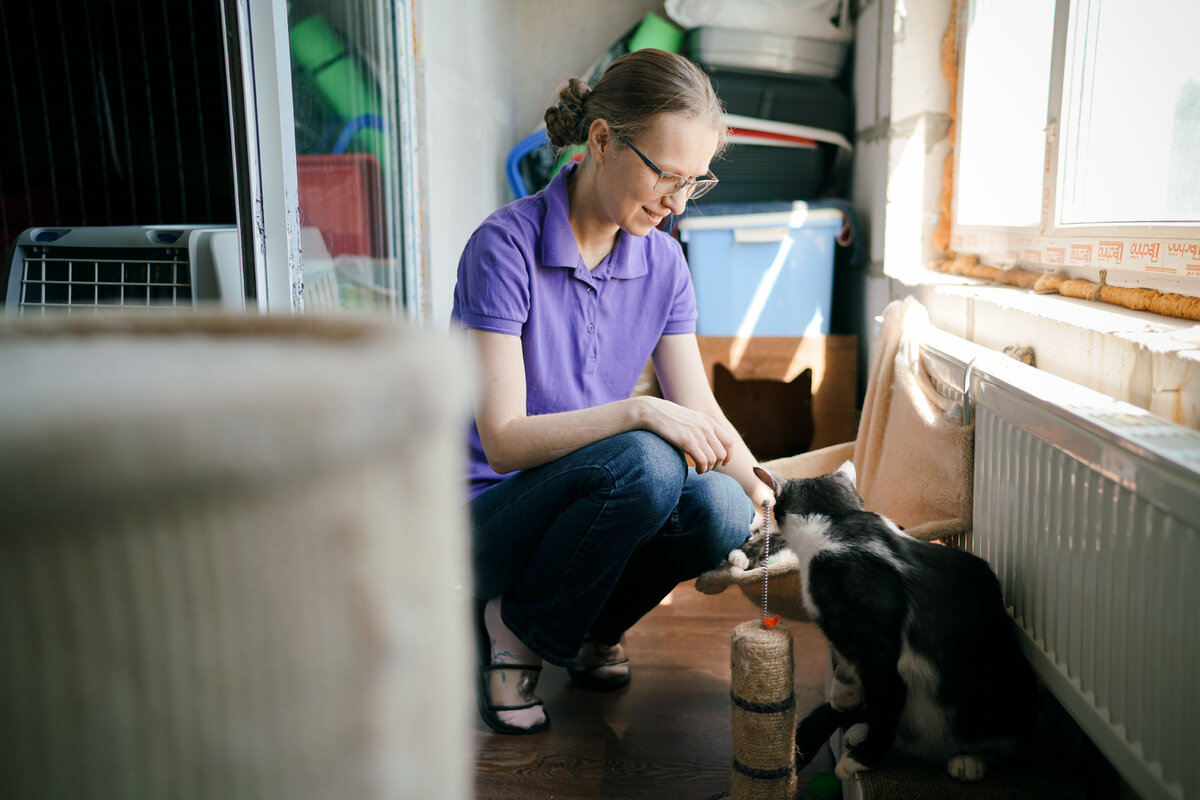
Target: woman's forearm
[530,441]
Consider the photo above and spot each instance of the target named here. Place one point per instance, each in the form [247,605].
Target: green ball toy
[825,786]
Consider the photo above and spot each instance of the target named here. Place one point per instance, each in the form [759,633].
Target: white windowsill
[1150,361]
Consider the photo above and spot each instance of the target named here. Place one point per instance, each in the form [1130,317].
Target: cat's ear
[847,469]
[773,481]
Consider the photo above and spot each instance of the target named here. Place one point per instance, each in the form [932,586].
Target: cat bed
[206,534]
[912,454]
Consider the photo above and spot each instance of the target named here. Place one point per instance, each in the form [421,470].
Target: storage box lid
[749,215]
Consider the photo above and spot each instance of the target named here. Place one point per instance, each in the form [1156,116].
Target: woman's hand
[698,435]
[756,524]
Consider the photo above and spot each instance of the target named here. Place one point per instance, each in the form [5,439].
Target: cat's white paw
[966,768]
[844,696]
[847,688]
[847,768]
[738,559]
[855,735]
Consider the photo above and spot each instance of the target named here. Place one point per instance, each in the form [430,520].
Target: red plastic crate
[341,195]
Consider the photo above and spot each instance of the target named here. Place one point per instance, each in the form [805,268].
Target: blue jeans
[592,541]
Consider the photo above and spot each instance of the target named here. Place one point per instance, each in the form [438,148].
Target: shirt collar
[559,248]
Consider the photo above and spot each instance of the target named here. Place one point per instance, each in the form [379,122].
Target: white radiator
[1089,511]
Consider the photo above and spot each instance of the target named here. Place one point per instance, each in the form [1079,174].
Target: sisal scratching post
[763,724]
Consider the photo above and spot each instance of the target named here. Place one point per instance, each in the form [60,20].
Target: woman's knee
[645,465]
[715,507]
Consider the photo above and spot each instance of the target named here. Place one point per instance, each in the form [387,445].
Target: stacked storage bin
[763,248]
[776,67]
[775,64]
[787,137]
[762,269]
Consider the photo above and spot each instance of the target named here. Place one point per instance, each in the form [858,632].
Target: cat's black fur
[924,650]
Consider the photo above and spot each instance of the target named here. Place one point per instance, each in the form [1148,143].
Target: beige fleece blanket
[913,456]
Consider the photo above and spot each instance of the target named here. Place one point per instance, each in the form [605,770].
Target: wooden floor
[666,735]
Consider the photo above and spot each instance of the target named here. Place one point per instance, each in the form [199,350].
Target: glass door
[327,183]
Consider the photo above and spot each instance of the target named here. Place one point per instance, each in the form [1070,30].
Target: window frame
[1163,256]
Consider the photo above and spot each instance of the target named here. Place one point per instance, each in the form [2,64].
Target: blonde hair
[635,87]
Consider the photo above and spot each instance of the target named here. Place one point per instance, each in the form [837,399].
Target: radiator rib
[1088,509]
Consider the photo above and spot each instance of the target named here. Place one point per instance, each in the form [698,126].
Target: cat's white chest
[807,537]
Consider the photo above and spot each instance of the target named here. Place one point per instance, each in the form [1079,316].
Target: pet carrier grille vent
[57,278]
[126,268]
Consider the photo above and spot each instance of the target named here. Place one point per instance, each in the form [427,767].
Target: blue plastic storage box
[765,273]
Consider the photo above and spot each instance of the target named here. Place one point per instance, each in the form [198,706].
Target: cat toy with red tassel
[770,622]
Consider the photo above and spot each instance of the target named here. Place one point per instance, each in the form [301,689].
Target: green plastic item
[326,61]
[654,31]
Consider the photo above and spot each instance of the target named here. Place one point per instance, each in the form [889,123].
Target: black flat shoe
[494,682]
[594,669]
[526,681]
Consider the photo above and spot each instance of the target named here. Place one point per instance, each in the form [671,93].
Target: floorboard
[665,736]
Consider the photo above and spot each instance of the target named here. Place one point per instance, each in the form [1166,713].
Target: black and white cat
[926,661]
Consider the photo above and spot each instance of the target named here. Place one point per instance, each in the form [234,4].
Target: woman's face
[674,144]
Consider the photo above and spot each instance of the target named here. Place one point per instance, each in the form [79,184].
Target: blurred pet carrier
[159,267]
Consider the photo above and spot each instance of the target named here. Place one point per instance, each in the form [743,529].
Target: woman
[565,295]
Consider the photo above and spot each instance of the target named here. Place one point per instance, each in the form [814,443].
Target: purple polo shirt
[585,335]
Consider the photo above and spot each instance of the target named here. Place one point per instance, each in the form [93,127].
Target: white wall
[873,121]
[902,140]
[558,39]
[487,69]
[464,60]
[918,140]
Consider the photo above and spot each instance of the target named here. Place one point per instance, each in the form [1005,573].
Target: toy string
[769,622]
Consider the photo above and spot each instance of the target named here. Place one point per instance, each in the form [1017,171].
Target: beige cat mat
[913,456]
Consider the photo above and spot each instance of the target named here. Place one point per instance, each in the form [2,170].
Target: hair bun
[566,121]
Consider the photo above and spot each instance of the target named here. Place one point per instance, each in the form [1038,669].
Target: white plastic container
[812,18]
[767,52]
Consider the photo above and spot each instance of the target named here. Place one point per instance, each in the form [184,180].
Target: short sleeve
[682,315]
[492,293]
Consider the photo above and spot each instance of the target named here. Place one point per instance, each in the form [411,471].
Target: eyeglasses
[669,182]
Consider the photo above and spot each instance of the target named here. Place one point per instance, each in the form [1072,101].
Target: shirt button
[591,328]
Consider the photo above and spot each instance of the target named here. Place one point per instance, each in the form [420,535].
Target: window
[349,98]
[1131,128]
[327,194]
[123,118]
[1004,112]
[1079,139]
